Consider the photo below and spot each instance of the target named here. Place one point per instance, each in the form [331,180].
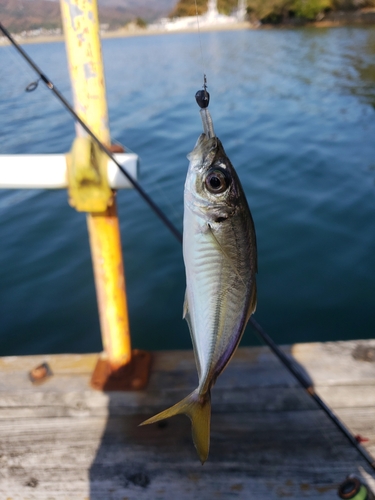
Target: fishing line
[288,363]
[199,36]
[177,215]
[104,148]
[21,75]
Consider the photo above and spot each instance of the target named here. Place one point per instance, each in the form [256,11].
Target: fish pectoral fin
[198,408]
[253,298]
[217,242]
[220,247]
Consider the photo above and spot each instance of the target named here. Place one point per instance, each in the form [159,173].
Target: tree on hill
[273,11]
[187,7]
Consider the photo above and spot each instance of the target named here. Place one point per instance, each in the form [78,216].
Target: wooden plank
[331,363]
[348,396]
[326,363]
[89,403]
[263,452]
[252,381]
[60,363]
[63,440]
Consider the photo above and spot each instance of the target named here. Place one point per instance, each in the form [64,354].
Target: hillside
[19,15]
[278,11]
[187,7]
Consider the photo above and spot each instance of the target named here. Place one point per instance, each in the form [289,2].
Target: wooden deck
[63,440]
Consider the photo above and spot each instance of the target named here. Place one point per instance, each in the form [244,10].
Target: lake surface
[295,110]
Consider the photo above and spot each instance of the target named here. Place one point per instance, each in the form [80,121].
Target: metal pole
[81,28]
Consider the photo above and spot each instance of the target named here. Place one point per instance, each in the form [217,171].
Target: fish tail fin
[198,408]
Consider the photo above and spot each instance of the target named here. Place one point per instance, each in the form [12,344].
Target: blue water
[295,110]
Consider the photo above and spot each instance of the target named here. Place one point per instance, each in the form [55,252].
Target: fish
[220,256]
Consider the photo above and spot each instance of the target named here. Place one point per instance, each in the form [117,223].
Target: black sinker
[203,98]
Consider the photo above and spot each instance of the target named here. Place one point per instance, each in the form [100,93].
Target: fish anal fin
[198,408]
[253,301]
[185,310]
[186,316]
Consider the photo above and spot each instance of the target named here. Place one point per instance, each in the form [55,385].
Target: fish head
[212,186]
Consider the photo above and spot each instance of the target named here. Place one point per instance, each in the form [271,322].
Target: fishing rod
[102,146]
[287,362]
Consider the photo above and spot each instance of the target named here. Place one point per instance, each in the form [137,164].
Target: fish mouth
[206,150]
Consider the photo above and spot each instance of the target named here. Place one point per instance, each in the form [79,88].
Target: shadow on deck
[268,438]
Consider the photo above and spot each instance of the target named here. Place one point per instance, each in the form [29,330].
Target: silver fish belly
[220,255]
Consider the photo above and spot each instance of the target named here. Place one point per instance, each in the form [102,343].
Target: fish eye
[217,181]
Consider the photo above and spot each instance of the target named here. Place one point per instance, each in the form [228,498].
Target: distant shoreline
[124,33]
[361,17]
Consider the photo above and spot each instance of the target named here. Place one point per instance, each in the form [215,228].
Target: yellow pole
[81,28]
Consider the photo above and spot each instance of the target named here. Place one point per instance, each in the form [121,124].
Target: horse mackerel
[220,256]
